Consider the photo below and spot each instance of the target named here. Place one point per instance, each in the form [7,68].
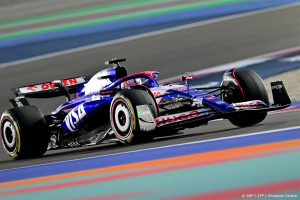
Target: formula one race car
[130,108]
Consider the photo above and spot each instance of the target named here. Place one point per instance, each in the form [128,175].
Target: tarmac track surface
[171,54]
[215,129]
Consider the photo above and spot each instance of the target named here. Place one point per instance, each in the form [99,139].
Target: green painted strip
[82,12]
[142,14]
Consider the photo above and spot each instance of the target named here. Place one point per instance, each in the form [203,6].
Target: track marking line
[150,34]
[199,159]
[238,64]
[162,147]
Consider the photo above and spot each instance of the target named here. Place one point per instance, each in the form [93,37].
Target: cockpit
[103,78]
[117,77]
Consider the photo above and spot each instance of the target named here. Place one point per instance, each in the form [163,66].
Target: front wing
[203,115]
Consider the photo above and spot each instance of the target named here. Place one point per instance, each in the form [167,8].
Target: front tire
[24,132]
[124,116]
[252,88]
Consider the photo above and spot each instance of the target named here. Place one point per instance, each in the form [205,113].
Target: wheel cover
[9,134]
[122,117]
[122,120]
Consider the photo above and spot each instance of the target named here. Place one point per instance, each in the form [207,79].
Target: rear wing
[49,89]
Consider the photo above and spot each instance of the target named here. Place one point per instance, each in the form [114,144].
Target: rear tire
[123,115]
[24,132]
[253,89]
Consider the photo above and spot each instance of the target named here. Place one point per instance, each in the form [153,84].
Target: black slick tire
[253,89]
[24,132]
[123,115]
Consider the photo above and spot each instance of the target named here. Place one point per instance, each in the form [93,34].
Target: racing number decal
[74,117]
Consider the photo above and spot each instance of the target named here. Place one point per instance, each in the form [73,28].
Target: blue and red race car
[114,106]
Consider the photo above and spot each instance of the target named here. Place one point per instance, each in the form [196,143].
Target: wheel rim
[122,119]
[9,134]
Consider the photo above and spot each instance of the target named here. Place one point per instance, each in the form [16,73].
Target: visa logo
[74,117]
